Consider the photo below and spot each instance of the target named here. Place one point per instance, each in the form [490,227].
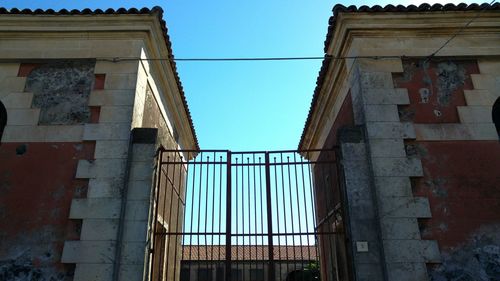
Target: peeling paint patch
[61,90]
[435,88]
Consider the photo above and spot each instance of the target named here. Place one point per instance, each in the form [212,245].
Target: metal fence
[237,216]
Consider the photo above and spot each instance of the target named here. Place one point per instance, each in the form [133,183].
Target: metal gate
[246,216]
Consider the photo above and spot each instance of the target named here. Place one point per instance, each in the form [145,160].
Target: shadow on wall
[478,259]
[3,119]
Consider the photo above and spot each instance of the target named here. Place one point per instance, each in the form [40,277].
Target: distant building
[206,263]
[81,118]
[408,94]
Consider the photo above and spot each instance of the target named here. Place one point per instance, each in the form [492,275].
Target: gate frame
[228,233]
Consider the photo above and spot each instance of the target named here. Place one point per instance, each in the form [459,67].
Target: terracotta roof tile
[246,253]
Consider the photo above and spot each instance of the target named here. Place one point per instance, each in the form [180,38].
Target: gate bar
[228,217]
[270,271]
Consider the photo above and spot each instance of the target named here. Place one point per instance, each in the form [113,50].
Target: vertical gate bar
[305,208]
[228,217]
[269,219]
[298,207]
[277,216]
[155,216]
[286,258]
[192,212]
[179,201]
[167,236]
[220,208]
[291,210]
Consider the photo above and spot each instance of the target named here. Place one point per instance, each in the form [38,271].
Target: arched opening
[495,114]
[3,119]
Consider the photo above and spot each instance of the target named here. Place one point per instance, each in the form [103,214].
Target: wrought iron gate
[238,216]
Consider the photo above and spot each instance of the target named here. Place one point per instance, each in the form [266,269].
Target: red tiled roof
[248,253]
[378,9]
[158,11]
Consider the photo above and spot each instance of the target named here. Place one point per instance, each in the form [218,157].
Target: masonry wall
[451,105]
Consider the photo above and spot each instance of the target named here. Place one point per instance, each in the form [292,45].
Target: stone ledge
[390,130]
[111,98]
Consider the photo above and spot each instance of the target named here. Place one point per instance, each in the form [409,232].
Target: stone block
[386,96]
[96,252]
[111,149]
[111,98]
[397,167]
[387,148]
[355,169]
[122,67]
[489,66]
[363,208]
[400,228]
[9,69]
[382,113]
[17,100]
[475,114]
[393,186]
[358,187]
[99,229]
[95,208]
[489,82]
[135,231]
[369,272]
[133,253]
[390,130]
[469,131]
[137,210]
[140,189]
[376,80]
[12,84]
[63,133]
[404,207]
[93,272]
[479,97]
[131,272]
[100,168]
[482,131]
[106,131]
[115,114]
[141,171]
[23,134]
[411,251]
[406,271]
[23,117]
[143,152]
[381,65]
[105,188]
[120,81]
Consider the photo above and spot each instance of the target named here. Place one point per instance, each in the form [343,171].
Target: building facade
[407,95]
[83,110]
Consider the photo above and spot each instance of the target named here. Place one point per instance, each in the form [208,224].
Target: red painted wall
[461,178]
[462,182]
[37,183]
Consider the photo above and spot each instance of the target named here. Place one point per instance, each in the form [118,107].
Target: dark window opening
[3,119]
[496,116]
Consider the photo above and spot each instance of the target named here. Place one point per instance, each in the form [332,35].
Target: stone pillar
[360,207]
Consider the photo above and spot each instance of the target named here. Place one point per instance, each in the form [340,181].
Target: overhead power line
[326,57]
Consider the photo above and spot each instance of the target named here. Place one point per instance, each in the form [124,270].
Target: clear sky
[240,105]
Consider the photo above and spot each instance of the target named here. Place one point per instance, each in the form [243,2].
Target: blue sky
[240,105]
